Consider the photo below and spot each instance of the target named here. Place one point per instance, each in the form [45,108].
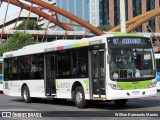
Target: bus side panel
[11,88]
[64,87]
[36,87]
[1,87]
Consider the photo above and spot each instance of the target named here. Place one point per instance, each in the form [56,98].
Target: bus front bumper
[128,94]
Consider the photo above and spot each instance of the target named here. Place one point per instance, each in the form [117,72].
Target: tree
[2,49]
[17,41]
[30,25]
[105,27]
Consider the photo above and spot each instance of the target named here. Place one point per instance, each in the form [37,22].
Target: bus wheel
[26,94]
[79,97]
[120,102]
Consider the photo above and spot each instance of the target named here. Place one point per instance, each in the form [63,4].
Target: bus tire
[120,102]
[26,94]
[79,97]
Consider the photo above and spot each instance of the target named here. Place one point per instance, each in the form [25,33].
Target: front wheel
[79,97]
[120,102]
[26,94]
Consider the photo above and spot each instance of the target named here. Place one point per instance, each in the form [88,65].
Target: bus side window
[64,64]
[6,69]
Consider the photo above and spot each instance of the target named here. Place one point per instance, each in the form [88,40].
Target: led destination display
[128,41]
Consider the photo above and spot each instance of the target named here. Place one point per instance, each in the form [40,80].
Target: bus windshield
[129,63]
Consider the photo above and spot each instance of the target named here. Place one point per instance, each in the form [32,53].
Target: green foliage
[30,25]
[2,49]
[17,41]
[105,27]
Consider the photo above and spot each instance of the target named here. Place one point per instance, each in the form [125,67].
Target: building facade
[87,10]
[11,20]
[110,12]
[84,9]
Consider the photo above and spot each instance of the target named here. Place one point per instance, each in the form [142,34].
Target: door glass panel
[50,75]
[95,72]
[101,71]
[98,72]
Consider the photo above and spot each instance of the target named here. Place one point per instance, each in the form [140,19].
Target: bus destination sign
[127,40]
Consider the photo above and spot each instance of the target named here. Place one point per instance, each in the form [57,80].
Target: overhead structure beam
[5,19]
[143,20]
[36,23]
[47,26]
[28,18]
[133,21]
[38,12]
[18,18]
[58,11]
[66,14]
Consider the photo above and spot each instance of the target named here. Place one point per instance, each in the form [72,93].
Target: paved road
[67,108]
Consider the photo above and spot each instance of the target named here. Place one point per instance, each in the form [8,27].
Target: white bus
[157,57]
[110,67]
[1,76]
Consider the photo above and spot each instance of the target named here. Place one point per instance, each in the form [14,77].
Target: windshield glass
[131,63]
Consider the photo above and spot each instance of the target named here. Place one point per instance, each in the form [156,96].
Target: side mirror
[108,58]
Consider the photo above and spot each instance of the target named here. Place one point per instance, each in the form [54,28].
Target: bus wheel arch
[25,93]
[74,86]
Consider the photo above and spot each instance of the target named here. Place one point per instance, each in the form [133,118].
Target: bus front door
[50,86]
[97,72]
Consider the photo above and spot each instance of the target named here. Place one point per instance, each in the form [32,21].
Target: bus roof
[52,46]
[64,44]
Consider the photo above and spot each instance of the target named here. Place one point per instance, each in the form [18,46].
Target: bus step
[51,94]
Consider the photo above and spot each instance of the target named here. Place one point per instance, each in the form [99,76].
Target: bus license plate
[135,92]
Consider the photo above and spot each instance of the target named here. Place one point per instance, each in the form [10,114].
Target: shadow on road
[131,104]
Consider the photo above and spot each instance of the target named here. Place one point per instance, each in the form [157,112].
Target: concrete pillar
[130,9]
[144,7]
[122,16]
[111,12]
[157,19]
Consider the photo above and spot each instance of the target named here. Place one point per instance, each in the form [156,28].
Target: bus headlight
[152,84]
[115,87]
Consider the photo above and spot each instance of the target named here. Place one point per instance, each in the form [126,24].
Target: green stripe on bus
[124,34]
[74,45]
[134,85]
[86,82]
[57,85]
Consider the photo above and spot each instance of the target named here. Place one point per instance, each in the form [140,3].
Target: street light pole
[122,16]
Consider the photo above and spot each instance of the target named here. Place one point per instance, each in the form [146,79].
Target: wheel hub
[79,97]
[25,94]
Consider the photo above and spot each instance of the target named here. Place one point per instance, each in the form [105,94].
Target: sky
[11,10]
